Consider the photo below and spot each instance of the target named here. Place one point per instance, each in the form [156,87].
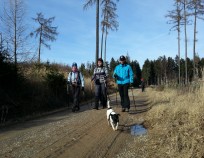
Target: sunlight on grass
[175,125]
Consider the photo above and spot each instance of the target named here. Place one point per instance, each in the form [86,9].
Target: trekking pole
[107,91]
[133,97]
[116,94]
[91,93]
[68,93]
[84,97]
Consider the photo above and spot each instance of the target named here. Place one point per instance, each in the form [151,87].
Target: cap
[74,64]
[122,58]
[100,59]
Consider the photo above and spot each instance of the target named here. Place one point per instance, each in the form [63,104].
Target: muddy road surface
[84,134]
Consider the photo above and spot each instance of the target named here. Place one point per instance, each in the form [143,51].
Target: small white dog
[112,117]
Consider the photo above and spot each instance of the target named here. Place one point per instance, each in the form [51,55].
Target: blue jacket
[124,74]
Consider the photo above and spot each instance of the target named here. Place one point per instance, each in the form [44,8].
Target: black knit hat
[122,58]
[74,64]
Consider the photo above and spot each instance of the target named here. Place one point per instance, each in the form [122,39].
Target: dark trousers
[100,94]
[143,88]
[123,91]
[75,95]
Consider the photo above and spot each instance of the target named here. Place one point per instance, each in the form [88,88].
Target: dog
[112,117]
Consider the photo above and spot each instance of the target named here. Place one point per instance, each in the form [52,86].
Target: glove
[115,75]
[131,84]
[82,88]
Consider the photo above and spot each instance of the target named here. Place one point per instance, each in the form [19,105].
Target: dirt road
[72,135]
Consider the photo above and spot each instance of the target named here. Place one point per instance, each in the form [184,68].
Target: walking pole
[91,93]
[107,91]
[133,97]
[116,98]
[68,93]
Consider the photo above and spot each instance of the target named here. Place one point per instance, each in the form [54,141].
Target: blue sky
[143,31]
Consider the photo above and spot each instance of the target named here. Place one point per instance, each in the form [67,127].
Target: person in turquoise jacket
[123,75]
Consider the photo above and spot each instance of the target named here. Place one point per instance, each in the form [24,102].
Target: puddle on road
[138,130]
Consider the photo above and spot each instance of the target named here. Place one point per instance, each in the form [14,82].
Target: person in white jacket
[76,83]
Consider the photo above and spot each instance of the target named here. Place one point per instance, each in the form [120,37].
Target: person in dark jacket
[100,79]
[124,77]
[76,83]
[142,84]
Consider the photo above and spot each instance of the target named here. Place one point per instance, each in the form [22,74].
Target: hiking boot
[95,108]
[104,107]
[123,110]
[77,108]
[73,109]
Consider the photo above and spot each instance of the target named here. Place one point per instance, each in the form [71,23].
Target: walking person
[76,83]
[124,78]
[142,84]
[99,77]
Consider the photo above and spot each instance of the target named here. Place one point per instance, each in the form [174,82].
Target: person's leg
[104,95]
[121,92]
[97,96]
[77,96]
[126,96]
[143,88]
[74,98]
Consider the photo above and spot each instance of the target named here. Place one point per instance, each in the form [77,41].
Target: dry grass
[175,126]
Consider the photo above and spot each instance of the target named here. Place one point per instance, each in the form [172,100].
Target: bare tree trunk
[179,49]
[39,48]
[179,56]
[194,44]
[1,44]
[186,50]
[97,30]
[105,45]
[15,34]
[102,40]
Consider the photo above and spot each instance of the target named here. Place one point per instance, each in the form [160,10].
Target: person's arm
[131,74]
[69,78]
[94,75]
[115,75]
[82,79]
[106,72]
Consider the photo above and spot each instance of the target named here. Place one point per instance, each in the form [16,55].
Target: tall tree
[13,19]
[185,4]
[109,21]
[86,5]
[46,32]
[197,11]
[113,64]
[146,71]
[176,20]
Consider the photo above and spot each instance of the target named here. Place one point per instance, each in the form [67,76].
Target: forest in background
[29,86]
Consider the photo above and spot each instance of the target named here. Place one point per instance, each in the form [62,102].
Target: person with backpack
[76,83]
[99,77]
[123,75]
